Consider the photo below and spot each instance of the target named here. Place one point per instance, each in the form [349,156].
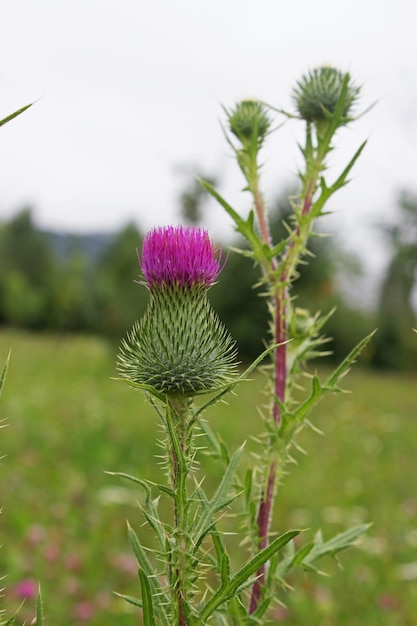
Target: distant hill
[93,245]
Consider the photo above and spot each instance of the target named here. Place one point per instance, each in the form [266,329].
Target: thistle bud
[317,94]
[249,121]
[180,347]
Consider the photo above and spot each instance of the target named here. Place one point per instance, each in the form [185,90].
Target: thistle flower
[180,347]
[249,121]
[318,92]
[176,256]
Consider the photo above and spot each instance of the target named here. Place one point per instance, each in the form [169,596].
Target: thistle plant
[325,100]
[180,350]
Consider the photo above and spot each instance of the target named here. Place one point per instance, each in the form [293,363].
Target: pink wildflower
[26,589]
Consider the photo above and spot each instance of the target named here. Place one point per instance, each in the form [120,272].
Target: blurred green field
[63,520]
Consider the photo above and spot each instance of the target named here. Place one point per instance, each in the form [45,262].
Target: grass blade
[4,373]
[15,114]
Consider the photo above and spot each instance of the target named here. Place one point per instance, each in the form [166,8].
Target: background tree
[395,344]
[193,197]
[118,303]
[27,272]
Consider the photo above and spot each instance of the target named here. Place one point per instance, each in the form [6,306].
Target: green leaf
[316,394]
[150,512]
[147,604]
[315,550]
[318,390]
[220,499]
[130,599]
[151,390]
[155,588]
[331,547]
[39,609]
[341,181]
[15,114]
[146,484]
[345,365]
[244,227]
[230,210]
[225,569]
[215,443]
[228,591]
[4,373]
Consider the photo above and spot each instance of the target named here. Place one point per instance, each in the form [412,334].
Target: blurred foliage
[120,302]
[395,343]
[63,519]
[193,197]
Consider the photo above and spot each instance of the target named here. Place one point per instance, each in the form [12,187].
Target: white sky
[129,90]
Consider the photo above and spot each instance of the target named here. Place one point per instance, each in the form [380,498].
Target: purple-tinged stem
[280,375]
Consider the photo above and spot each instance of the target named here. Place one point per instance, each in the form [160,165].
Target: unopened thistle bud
[180,347]
[317,94]
[249,121]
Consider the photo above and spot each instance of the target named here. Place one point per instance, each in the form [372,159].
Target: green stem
[179,434]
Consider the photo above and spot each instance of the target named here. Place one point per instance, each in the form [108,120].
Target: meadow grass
[63,520]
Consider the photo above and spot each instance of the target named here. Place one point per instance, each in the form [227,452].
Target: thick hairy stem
[179,442]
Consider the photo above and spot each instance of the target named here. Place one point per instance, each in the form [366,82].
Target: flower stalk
[180,435]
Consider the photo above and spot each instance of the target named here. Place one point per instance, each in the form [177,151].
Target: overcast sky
[129,91]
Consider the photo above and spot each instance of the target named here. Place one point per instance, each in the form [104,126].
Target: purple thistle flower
[179,256]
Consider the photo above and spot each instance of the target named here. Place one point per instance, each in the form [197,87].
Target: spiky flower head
[317,94]
[180,347]
[248,121]
[178,256]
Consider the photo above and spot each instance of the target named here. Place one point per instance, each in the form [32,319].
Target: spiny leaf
[334,545]
[220,499]
[244,227]
[341,181]
[4,373]
[39,609]
[150,512]
[146,484]
[15,114]
[344,366]
[241,577]
[130,599]
[225,569]
[315,550]
[147,603]
[155,588]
